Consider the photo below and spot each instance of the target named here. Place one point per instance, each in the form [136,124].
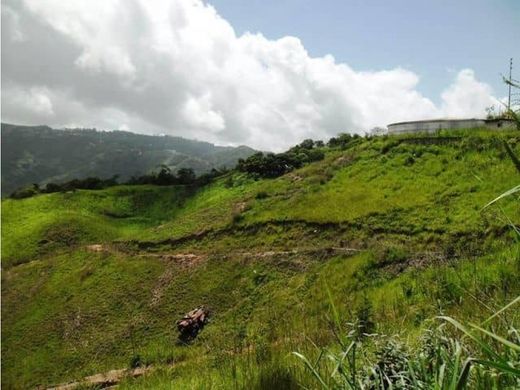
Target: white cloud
[34,101]
[11,24]
[177,67]
[467,96]
[199,114]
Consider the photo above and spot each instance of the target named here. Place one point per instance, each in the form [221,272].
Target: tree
[307,144]
[342,140]
[272,165]
[378,131]
[165,176]
[186,176]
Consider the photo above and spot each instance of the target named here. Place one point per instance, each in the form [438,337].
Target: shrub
[261,195]
[272,165]
[237,218]
[475,357]
[136,361]
[409,161]
[342,140]
[228,183]
[24,193]
[364,318]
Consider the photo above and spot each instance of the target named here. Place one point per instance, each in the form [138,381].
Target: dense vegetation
[39,154]
[266,165]
[164,177]
[272,165]
[348,261]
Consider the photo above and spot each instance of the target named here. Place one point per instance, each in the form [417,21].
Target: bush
[475,357]
[342,140]
[53,187]
[237,218]
[184,176]
[136,361]
[409,161]
[272,165]
[25,192]
[261,195]
[364,317]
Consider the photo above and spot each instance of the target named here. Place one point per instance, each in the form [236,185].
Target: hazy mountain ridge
[40,154]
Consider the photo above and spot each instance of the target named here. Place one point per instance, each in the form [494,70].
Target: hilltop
[39,154]
[390,231]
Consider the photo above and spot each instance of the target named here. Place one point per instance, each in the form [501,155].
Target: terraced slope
[393,226]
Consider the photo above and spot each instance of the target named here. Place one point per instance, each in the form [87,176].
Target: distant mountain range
[40,154]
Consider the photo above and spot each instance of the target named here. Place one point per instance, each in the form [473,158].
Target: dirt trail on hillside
[185,260]
[105,380]
[112,378]
[97,248]
[189,259]
[161,285]
[307,251]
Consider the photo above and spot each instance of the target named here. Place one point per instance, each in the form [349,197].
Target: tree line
[258,165]
[164,177]
[271,165]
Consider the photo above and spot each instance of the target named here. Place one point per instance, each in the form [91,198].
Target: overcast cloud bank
[177,67]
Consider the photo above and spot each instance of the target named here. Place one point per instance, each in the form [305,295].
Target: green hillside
[39,154]
[389,232]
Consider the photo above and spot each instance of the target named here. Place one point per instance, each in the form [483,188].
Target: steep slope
[394,227]
[39,154]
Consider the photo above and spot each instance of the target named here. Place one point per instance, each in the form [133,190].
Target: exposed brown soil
[185,260]
[420,260]
[104,380]
[240,207]
[308,251]
[162,284]
[97,248]
[294,177]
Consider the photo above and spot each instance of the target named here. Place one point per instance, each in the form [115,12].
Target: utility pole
[510,83]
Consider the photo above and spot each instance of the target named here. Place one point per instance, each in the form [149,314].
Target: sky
[432,38]
[267,73]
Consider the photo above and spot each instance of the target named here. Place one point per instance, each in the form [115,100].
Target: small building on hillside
[433,125]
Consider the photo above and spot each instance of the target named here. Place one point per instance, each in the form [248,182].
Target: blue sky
[433,38]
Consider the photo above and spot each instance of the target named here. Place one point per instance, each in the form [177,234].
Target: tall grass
[452,355]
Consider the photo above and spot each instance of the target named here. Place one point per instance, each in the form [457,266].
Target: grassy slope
[68,312]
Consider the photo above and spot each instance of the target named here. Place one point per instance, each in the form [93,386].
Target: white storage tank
[433,125]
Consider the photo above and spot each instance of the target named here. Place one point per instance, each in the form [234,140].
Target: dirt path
[97,248]
[105,380]
[161,285]
[306,251]
[188,260]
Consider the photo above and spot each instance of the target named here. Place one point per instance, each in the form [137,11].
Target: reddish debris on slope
[192,323]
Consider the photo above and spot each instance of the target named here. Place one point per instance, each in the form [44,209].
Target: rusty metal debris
[192,323]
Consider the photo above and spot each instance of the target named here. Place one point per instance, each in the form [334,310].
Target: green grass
[81,314]
[427,247]
[74,218]
[456,183]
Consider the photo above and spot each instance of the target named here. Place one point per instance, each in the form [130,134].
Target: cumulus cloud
[34,101]
[177,67]
[467,96]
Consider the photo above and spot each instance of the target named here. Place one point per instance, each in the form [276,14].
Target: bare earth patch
[184,260]
[97,248]
[104,380]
